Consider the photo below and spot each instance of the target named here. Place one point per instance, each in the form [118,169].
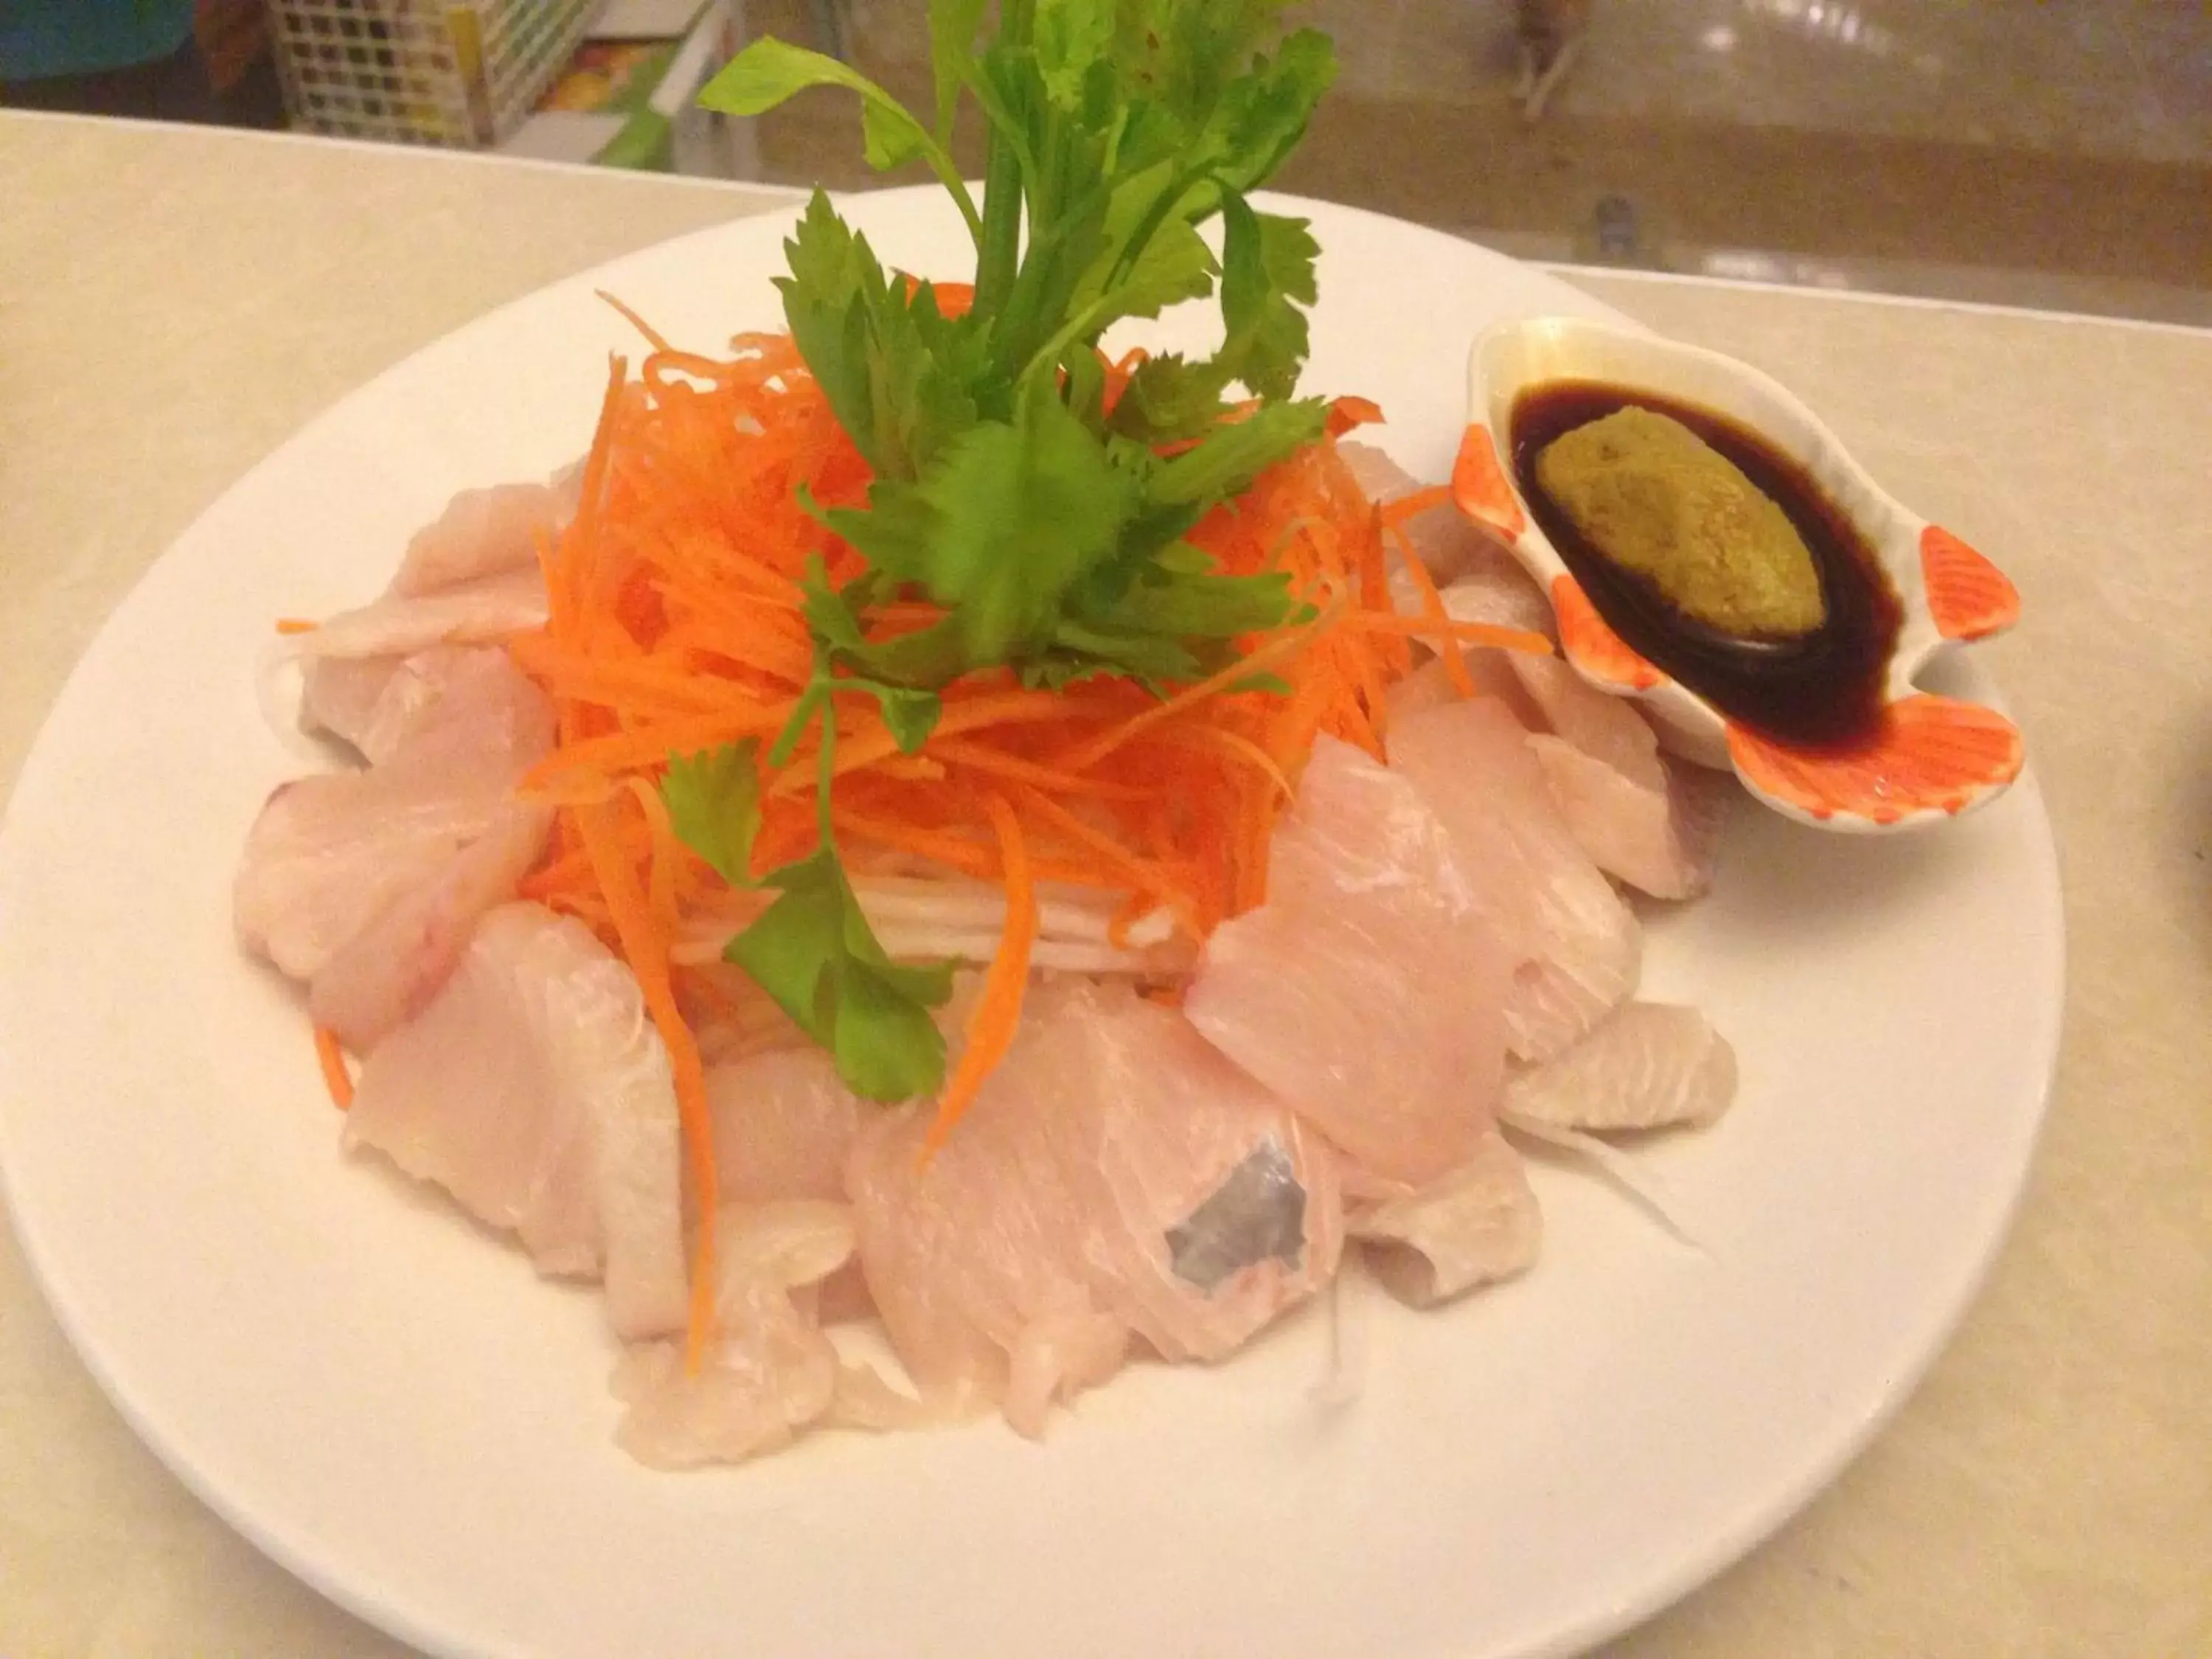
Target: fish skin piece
[1651,1066]
[784,1125]
[1366,990]
[1018,1264]
[534,1088]
[1164,1138]
[329,853]
[1476,1225]
[482,532]
[1578,949]
[770,1372]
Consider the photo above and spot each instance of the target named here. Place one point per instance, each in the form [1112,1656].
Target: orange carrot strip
[646,948]
[1456,668]
[331,1053]
[1135,871]
[652,336]
[1395,512]
[998,1014]
[289,626]
[980,757]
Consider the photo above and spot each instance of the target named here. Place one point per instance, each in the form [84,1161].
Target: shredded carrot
[1433,602]
[999,1011]
[336,1078]
[291,626]
[676,624]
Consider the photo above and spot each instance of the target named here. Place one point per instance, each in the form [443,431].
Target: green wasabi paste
[1650,494]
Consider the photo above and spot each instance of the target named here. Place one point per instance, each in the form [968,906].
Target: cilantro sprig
[1049,527]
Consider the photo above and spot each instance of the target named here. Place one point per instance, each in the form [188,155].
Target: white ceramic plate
[391,1404]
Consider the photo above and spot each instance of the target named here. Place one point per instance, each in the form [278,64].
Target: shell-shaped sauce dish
[1926,758]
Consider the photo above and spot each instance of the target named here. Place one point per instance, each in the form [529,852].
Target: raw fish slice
[1482,582]
[482,532]
[1605,728]
[1493,589]
[1205,1209]
[480,612]
[783,1126]
[1651,821]
[770,1372]
[1478,1224]
[1651,1066]
[329,853]
[378,703]
[1115,1175]
[339,695]
[384,974]
[1662,839]
[534,1088]
[1578,946]
[1429,686]
[965,1254]
[1365,991]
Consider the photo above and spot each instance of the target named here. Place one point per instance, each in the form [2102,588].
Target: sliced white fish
[1607,728]
[784,1125]
[1663,840]
[1115,1178]
[329,853]
[482,532]
[1651,1065]
[1577,947]
[339,695]
[382,976]
[535,1090]
[481,611]
[770,1372]
[1481,582]
[1476,1225]
[1365,991]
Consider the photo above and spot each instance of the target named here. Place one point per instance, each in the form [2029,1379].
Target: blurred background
[2050,153]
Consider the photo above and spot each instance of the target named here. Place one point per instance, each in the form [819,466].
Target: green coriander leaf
[1268,273]
[910,713]
[885,1044]
[953,26]
[813,952]
[713,805]
[1224,462]
[1262,115]
[769,70]
[1070,37]
[826,299]
[1169,398]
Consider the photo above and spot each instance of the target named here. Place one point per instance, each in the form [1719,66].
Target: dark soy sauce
[1819,689]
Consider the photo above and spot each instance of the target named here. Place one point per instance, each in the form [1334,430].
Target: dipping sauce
[1817,686]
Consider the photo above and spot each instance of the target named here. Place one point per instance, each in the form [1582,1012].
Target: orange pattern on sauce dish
[1593,646]
[1968,598]
[1480,485]
[1931,754]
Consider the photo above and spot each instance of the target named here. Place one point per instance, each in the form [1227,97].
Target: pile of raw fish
[1444,955]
